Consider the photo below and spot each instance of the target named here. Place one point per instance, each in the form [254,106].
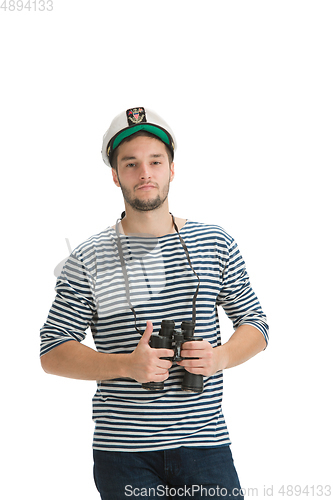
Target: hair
[113,158]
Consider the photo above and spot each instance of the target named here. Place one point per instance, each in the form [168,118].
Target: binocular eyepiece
[169,338]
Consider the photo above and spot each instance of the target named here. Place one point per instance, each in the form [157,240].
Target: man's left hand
[207,362]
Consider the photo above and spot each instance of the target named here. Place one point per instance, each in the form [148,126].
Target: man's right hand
[145,363]
[75,360]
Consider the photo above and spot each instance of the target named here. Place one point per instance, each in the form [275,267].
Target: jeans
[186,472]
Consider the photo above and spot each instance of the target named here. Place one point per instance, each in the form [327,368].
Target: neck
[156,222]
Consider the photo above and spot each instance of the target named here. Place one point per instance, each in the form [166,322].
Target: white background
[247,88]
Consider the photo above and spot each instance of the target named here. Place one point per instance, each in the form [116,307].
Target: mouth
[146,187]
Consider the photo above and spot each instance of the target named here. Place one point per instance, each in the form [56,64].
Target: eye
[130,165]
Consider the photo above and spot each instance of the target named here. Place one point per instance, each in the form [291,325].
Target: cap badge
[136,116]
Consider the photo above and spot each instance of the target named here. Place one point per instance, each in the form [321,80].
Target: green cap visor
[161,134]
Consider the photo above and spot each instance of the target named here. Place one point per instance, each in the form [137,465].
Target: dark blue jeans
[186,472]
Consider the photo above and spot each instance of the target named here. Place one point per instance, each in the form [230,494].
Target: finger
[164,364]
[200,345]
[147,333]
[191,363]
[164,353]
[192,354]
[197,371]
[160,377]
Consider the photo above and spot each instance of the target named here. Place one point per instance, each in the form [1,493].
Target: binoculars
[170,338]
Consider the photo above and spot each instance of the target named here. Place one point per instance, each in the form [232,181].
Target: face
[144,173]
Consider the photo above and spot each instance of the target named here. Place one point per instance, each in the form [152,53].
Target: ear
[115,177]
[172,171]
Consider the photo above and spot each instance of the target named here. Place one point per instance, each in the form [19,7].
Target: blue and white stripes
[91,293]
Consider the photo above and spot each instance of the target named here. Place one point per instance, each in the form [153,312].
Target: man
[156,433]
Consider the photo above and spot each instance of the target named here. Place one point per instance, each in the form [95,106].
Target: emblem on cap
[135,116]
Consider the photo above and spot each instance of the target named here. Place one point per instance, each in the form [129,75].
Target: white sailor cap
[131,121]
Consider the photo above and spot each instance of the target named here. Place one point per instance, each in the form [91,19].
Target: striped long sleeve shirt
[91,293]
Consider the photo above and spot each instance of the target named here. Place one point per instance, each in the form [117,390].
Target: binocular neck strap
[124,271]
[194,300]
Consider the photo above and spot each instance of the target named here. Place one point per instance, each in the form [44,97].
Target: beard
[145,205]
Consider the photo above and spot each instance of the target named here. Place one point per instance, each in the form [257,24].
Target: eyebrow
[127,158]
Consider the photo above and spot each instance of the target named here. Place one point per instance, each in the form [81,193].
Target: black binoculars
[169,338]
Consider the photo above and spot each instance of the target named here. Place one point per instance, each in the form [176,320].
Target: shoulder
[200,230]
[94,245]
[95,250]
[94,241]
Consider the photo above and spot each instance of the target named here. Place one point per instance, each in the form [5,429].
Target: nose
[145,171]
